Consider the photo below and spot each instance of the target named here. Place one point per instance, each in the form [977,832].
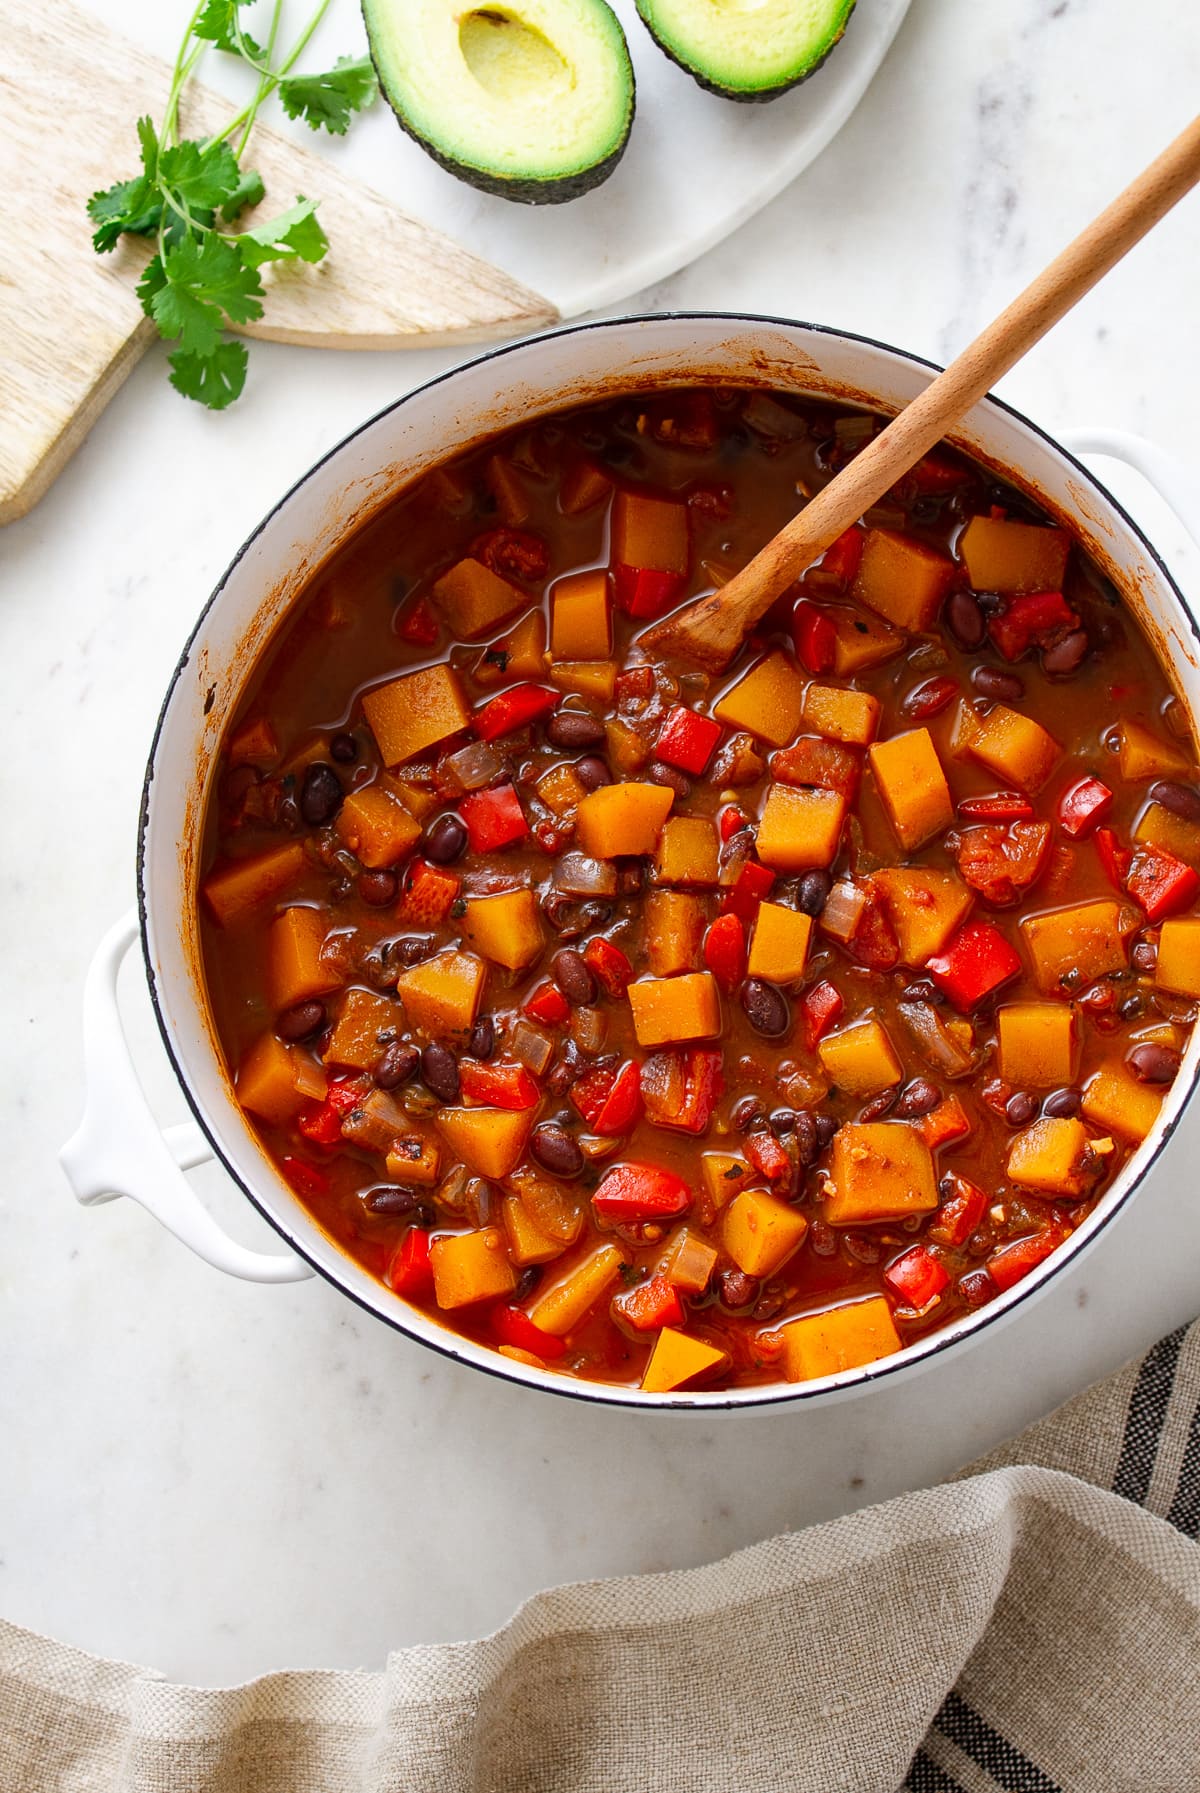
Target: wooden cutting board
[70,325]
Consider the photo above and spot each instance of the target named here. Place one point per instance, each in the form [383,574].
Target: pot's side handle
[119,1148]
[1175,482]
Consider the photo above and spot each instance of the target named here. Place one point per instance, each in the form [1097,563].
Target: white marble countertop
[218,1479]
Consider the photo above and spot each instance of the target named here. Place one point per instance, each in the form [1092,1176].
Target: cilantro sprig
[190,194]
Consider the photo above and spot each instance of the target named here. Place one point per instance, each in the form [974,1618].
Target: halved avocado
[531,100]
[747,49]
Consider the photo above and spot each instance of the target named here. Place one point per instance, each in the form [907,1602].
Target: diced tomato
[645,592]
[975,963]
[429,895]
[321,1123]
[826,764]
[419,624]
[935,474]
[306,1179]
[1001,860]
[725,951]
[1028,619]
[960,1213]
[498,1086]
[514,709]
[410,1271]
[1162,884]
[632,1192]
[494,819]
[687,740]
[841,558]
[1115,858]
[1083,806]
[346,1093]
[944,1124]
[768,1156]
[513,553]
[917,1277]
[731,821]
[547,1004]
[874,943]
[930,698]
[512,1326]
[590,1092]
[1011,1262]
[814,636]
[608,966]
[820,1007]
[1001,806]
[754,882]
[650,1305]
[635,681]
[681,1085]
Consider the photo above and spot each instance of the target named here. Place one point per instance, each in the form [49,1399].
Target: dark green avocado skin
[762,94]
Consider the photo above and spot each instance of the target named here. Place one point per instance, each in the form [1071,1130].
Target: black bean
[377,889]
[916,1099]
[391,1198]
[556,1150]
[1131,1008]
[572,974]
[1144,956]
[574,729]
[439,1071]
[671,777]
[592,772]
[766,1008]
[409,950]
[878,1106]
[737,1290]
[1182,800]
[746,1111]
[1020,1109]
[826,1128]
[989,681]
[482,1042]
[808,1144]
[301,1021]
[527,1282]
[813,893]
[1153,1064]
[964,619]
[1062,1105]
[343,749]
[320,794]
[445,840]
[863,1248]
[781,1121]
[1067,655]
[397,1065]
[631,876]
[990,602]
[822,1239]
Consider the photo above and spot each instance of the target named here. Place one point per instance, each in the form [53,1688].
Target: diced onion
[532,1045]
[843,911]
[473,767]
[935,1039]
[579,875]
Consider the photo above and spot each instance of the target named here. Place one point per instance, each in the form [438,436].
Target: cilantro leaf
[201,176]
[218,24]
[192,289]
[127,207]
[327,100]
[249,191]
[148,140]
[214,379]
[296,235]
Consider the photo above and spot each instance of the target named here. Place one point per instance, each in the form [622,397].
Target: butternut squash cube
[489,1141]
[412,712]
[240,886]
[678,1360]
[1159,827]
[553,1208]
[675,922]
[879,1170]
[1114,1100]
[841,715]
[475,599]
[760,1232]
[1013,557]
[1145,755]
[581,617]
[965,729]
[622,819]
[647,532]
[1178,967]
[295,971]
[902,579]
[596,679]
[912,786]
[1038,1042]
[1072,947]
[266,1082]
[253,743]
[924,906]
[1050,1157]
[376,826]
[469,1267]
[562,1307]
[365,1028]
[526,1244]
[506,928]
[800,828]
[687,853]
[840,1338]
[562,790]
[1016,748]
[414,1157]
[626,748]
[521,654]
[862,642]
[724,1176]
[582,487]
[442,995]
[861,1058]
[508,489]
[667,1010]
[768,700]
[779,944]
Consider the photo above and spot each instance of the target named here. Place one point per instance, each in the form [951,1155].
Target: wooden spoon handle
[710,630]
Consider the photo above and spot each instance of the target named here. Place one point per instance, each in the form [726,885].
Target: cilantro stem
[245,118]
[266,78]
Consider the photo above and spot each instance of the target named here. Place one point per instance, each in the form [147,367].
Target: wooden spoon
[709,631]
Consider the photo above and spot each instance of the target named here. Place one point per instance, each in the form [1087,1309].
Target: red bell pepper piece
[306,1179]
[725,951]
[346,1093]
[929,698]
[814,636]
[1000,806]
[820,1007]
[547,1004]
[841,558]
[731,821]
[429,895]
[960,1213]
[419,624]
[650,1305]
[645,591]
[754,882]
[1028,619]
[976,962]
[633,1192]
[498,1086]
[935,474]
[767,1156]
[410,1271]
[1011,1262]
[608,966]
[1162,884]
[635,681]
[1083,806]
[681,1086]
[321,1123]
[1115,858]
[944,1124]
[687,740]
[590,1092]
[622,1107]
[514,709]
[512,1326]
[917,1277]
[494,819]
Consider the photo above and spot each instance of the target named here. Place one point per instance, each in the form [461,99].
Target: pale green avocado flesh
[747,49]
[532,100]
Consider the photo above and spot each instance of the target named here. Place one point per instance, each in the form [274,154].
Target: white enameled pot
[119,1148]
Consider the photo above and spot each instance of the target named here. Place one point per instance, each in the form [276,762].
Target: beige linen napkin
[1033,1626]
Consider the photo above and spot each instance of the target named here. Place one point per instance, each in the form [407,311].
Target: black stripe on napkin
[999,1758]
[925,1776]
[1185,1507]
[1146,1418]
